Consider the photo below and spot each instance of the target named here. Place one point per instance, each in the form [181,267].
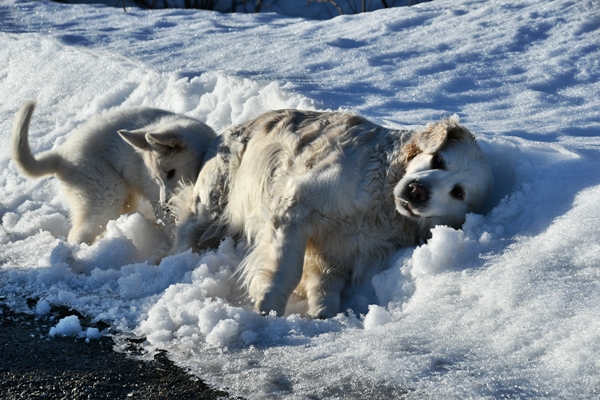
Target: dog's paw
[322,306]
[271,302]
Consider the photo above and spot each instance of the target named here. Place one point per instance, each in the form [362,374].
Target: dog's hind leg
[273,269]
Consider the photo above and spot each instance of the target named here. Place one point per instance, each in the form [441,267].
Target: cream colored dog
[322,197]
[107,163]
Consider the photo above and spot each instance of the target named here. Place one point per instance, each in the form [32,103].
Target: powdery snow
[509,306]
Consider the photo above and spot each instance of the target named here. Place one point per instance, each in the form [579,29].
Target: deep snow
[507,307]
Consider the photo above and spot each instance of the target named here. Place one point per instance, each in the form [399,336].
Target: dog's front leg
[197,231]
[187,234]
[323,287]
[274,267]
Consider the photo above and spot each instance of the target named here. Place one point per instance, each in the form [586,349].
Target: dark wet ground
[34,365]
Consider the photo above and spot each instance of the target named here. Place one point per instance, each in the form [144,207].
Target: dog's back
[287,148]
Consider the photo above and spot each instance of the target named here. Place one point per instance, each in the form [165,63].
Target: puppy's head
[172,152]
[446,176]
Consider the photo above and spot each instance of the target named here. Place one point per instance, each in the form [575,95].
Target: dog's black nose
[417,192]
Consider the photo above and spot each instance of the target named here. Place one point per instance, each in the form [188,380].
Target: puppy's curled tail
[45,164]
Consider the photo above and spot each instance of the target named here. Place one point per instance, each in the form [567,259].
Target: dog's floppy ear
[135,138]
[168,140]
[436,135]
[431,139]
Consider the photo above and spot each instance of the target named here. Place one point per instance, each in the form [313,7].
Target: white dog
[107,163]
[323,197]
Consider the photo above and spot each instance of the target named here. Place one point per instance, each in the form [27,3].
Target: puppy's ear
[435,136]
[135,138]
[168,141]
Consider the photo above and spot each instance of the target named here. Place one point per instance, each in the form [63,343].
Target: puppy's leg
[92,208]
[86,226]
[131,204]
[274,267]
[322,285]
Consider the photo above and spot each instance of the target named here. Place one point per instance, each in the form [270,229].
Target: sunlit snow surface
[508,307]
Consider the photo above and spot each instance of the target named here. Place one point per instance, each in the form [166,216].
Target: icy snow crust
[509,306]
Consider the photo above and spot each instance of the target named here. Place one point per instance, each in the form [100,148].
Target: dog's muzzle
[415,195]
[416,192]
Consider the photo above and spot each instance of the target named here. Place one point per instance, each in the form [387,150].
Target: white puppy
[323,197]
[107,163]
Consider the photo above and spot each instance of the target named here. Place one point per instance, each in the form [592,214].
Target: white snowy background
[507,307]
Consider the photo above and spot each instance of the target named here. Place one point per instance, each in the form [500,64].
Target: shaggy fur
[323,197]
[107,163]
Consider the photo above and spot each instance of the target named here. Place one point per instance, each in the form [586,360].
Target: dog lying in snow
[323,196]
[107,163]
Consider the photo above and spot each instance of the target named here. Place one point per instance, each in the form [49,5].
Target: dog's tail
[45,164]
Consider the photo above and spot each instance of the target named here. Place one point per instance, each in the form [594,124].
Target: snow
[507,307]
[70,326]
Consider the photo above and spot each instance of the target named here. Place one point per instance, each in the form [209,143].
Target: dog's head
[446,176]
[172,151]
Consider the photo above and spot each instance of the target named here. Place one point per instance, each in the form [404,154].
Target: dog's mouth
[405,208]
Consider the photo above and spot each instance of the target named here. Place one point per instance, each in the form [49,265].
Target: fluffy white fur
[323,197]
[107,163]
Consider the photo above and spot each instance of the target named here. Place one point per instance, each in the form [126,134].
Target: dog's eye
[170,173]
[437,162]
[458,193]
